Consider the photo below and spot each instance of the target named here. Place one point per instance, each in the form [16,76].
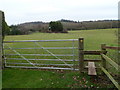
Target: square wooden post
[103,52]
[1,46]
[81,54]
[1,39]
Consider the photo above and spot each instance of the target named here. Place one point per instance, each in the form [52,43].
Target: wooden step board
[91,68]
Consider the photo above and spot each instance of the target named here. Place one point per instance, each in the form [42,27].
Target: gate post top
[1,15]
[1,11]
[103,46]
[81,38]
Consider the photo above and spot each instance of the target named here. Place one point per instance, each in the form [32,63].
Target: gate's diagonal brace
[21,56]
[52,54]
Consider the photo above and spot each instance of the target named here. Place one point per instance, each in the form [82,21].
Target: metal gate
[42,54]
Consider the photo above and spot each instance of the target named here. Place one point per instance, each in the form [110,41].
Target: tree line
[59,26]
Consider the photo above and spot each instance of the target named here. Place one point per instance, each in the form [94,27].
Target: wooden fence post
[104,52]
[81,54]
[1,39]
[1,22]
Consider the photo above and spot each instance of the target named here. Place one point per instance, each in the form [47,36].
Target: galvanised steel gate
[42,54]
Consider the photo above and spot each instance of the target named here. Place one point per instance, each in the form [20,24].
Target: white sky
[20,11]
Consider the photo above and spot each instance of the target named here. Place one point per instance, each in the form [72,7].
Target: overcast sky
[20,11]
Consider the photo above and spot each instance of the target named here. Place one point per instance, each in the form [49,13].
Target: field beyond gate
[13,78]
[42,54]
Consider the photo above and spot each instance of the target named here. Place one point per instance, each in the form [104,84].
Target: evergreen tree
[56,26]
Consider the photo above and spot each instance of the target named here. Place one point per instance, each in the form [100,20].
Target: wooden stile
[91,68]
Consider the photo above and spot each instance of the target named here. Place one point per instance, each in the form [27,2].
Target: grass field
[19,78]
[92,37]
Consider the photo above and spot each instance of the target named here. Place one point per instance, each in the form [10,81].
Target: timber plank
[91,68]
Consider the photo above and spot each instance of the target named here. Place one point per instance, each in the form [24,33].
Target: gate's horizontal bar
[92,60]
[47,48]
[41,64]
[40,59]
[41,54]
[41,40]
[92,52]
[42,68]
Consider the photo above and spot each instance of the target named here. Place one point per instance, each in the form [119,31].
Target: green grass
[92,37]
[93,41]
[21,78]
